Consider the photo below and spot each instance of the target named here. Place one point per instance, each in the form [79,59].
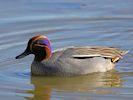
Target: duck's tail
[116,59]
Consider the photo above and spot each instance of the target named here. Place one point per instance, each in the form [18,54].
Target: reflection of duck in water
[45,86]
[70,60]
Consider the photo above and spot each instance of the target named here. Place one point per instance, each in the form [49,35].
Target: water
[65,22]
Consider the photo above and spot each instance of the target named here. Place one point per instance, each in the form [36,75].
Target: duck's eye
[39,43]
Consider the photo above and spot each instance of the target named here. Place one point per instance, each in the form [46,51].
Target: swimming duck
[70,61]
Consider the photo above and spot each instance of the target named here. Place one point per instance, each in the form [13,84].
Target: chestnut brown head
[39,46]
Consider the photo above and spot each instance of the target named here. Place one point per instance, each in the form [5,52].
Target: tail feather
[116,59]
[125,52]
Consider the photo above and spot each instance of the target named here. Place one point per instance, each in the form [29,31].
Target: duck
[70,60]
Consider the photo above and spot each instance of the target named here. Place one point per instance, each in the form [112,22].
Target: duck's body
[71,61]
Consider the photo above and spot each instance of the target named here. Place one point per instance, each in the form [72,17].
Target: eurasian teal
[70,61]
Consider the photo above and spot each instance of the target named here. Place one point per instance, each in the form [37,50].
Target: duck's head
[39,46]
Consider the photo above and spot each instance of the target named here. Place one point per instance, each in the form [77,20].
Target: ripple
[77,22]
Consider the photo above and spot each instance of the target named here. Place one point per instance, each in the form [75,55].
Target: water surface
[66,23]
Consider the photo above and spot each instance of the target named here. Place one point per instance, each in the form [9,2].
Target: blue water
[65,22]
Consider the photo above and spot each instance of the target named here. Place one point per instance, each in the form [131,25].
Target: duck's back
[78,60]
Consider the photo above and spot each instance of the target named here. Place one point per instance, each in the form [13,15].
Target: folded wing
[94,51]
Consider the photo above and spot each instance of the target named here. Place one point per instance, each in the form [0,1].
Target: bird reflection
[45,86]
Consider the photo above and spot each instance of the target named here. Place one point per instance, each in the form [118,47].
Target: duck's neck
[40,56]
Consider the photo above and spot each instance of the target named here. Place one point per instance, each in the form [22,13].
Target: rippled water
[65,22]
